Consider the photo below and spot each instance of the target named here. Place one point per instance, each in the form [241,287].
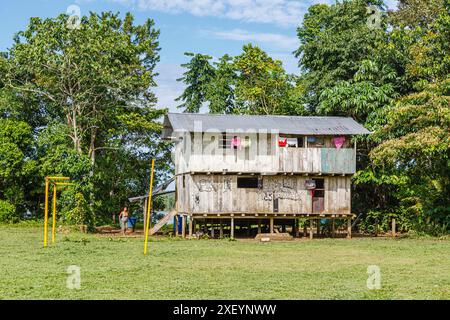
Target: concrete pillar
[271,225]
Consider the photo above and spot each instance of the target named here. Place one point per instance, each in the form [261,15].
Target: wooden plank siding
[218,194]
[206,156]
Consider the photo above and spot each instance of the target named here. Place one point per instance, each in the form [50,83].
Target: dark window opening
[320,183]
[247,183]
[319,193]
[290,141]
[316,142]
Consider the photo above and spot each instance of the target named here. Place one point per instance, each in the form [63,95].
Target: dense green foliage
[8,212]
[77,102]
[250,83]
[389,71]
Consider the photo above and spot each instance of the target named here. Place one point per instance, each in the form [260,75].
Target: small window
[290,141]
[320,183]
[247,183]
[316,142]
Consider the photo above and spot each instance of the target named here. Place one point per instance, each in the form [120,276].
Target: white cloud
[274,40]
[280,12]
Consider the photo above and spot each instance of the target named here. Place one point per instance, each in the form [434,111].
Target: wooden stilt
[332,228]
[349,228]
[212,229]
[271,225]
[176,225]
[191,220]
[311,229]
[305,229]
[145,211]
[259,226]
[183,226]
[318,226]
[232,229]
[294,228]
[394,232]
[220,229]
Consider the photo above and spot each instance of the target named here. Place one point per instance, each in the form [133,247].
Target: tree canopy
[92,107]
[250,83]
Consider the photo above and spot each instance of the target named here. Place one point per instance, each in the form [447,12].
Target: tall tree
[334,41]
[198,75]
[250,83]
[416,138]
[262,86]
[220,90]
[93,86]
[417,13]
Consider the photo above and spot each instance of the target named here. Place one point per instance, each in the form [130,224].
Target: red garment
[282,143]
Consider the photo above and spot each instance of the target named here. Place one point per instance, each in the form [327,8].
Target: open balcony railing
[284,160]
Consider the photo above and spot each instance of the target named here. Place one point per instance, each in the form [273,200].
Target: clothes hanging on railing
[246,143]
[282,142]
[338,142]
[235,142]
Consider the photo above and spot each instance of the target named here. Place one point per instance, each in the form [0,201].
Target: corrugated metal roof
[195,122]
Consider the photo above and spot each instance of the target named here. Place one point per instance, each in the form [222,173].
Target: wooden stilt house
[261,173]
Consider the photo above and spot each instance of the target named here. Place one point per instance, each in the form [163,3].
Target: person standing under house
[123,218]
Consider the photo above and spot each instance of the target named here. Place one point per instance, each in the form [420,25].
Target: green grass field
[115,268]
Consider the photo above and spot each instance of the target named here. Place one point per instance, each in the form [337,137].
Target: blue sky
[213,27]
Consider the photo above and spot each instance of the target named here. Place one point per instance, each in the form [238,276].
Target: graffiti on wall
[279,189]
[227,184]
[205,185]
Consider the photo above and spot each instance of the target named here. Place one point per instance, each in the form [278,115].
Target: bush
[8,212]
[375,221]
[80,213]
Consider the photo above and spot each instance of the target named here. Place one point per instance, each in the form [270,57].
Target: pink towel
[338,141]
[235,142]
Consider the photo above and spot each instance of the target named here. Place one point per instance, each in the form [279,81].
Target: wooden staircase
[162,222]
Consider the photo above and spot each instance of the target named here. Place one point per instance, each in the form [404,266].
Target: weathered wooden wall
[262,157]
[209,194]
